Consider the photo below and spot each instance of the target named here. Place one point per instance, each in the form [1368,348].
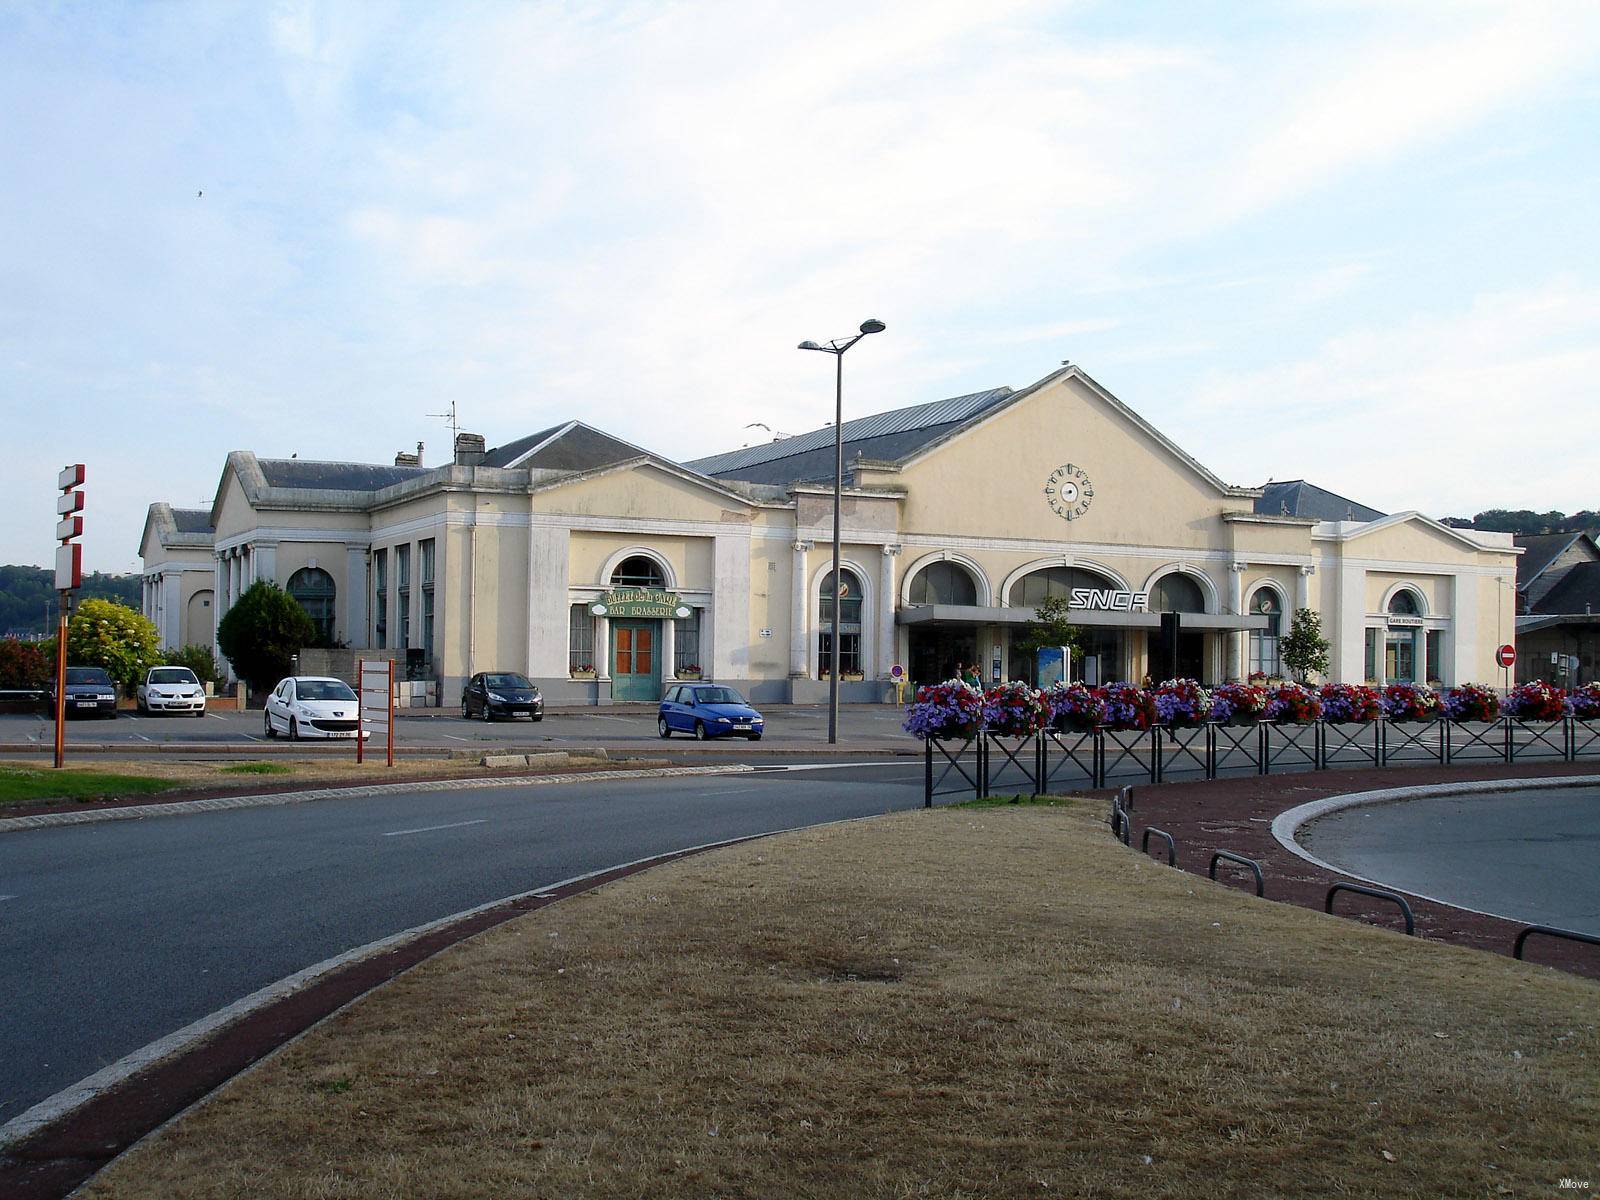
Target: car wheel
[700,733]
[266,719]
[662,728]
[488,715]
[294,730]
[755,737]
[138,706]
[466,710]
[538,716]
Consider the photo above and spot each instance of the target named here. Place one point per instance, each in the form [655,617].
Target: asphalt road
[113,935]
[799,726]
[1531,856]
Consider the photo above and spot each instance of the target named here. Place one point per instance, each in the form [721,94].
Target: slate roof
[1577,591]
[886,437]
[192,520]
[1539,550]
[573,446]
[1297,498]
[333,476]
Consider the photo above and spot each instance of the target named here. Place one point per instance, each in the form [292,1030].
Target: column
[668,650]
[887,603]
[355,595]
[799,658]
[219,595]
[602,649]
[730,606]
[266,561]
[1302,590]
[548,605]
[1236,662]
[171,610]
[1348,658]
[1469,660]
[235,573]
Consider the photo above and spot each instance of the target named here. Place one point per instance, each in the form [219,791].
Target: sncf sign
[1108,600]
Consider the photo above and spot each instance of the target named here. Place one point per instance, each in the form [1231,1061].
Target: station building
[603,571]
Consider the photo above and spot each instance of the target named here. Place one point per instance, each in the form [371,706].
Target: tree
[262,632]
[1304,650]
[103,633]
[1051,628]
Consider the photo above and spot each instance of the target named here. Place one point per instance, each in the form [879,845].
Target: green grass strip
[257,768]
[30,785]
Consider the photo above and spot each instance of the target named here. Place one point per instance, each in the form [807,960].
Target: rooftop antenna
[451,417]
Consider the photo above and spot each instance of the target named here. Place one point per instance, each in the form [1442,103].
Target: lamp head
[808,346]
[872,325]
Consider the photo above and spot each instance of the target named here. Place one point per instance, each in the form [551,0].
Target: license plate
[84,704]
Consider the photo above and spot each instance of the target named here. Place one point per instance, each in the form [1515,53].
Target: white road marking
[431,828]
[454,738]
[215,717]
[624,720]
[10,897]
[893,762]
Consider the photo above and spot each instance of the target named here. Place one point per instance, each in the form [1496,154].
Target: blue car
[707,711]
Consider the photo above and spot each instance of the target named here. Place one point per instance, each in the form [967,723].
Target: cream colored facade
[521,553]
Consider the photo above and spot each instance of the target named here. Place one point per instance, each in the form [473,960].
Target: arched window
[1404,604]
[1177,593]
[638,571]
[313,588]
[1264,658]
[849,625]
[944,583]
[1040,585]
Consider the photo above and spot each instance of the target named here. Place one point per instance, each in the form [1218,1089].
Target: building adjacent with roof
[602,570]
[1558,608]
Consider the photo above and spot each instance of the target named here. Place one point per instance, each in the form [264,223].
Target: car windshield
[173,675]
[717,696]
[507,681]
[323,689]
[88,675]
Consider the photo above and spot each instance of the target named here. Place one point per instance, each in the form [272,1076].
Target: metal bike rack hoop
[1379,893]
[1261,883]
[1551,931]
[1172,846]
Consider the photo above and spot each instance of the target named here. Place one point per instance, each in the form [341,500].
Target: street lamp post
[837,347]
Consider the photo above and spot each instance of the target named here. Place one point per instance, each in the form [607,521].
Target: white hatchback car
[308,706]
[171,689]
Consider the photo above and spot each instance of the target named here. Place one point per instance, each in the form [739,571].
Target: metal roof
[192,520]
[1297,498]
[333,476]
[932,416]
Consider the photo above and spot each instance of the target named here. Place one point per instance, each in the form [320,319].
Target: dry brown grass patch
[946,1004]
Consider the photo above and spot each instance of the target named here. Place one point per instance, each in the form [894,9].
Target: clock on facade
[1068,492]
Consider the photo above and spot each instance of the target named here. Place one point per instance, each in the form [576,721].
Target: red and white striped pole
[69,578]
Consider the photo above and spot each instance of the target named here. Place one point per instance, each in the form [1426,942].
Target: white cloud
[1489,406]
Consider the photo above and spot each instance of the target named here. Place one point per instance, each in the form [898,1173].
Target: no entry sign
[1506,656]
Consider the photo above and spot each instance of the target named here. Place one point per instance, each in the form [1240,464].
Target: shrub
[1471,702]
[1014,710]
[198,659]
[106,634]
[262,632]
[945,710]
[1303,649]
[1342,702]
[1536,701]
[24,666]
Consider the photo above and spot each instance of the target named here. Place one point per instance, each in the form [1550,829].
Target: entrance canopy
[977,614]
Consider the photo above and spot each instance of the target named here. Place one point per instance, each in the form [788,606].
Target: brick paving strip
[1237,815]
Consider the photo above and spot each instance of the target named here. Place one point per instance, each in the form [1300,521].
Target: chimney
[403,458]
[469,449]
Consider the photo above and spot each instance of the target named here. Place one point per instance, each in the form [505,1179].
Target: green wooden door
[635,660]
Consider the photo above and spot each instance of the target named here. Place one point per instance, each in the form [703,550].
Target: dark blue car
[707,711]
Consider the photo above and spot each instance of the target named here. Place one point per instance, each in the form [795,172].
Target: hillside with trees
[28,597]
[1523,520]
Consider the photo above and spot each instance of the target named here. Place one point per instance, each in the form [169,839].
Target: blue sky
[1344,241]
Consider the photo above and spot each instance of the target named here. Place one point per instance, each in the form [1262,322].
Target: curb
[179,808]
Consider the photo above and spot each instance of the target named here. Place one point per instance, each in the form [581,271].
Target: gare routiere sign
[641,603]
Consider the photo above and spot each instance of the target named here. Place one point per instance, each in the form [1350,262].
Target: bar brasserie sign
[641,604]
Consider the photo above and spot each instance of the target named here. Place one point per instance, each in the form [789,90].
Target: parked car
[90,693]
[707,711]
[491,694]
[171,689]
[311,706]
